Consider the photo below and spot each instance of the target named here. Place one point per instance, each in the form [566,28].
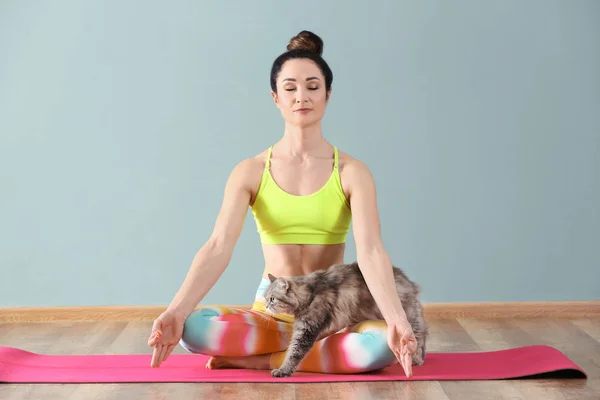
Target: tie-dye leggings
[222,331]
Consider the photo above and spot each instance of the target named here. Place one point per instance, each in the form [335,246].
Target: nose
[301,96]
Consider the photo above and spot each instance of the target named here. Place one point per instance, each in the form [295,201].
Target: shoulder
[354,172]
[350,164]
[250,167]
[247,173]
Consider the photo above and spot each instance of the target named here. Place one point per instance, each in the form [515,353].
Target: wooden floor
[577,338]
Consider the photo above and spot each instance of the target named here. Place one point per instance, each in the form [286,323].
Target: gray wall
[120,122]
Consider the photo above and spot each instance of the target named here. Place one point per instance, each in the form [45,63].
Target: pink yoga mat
[19,366]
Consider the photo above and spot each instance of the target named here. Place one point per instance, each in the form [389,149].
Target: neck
[301,141]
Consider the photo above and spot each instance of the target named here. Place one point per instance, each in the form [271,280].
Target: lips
[303,110]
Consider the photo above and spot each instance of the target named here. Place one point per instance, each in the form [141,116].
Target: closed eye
[310,88]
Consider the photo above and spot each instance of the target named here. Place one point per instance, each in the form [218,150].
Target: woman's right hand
[166,333]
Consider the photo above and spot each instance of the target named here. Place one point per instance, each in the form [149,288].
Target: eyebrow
[310,78]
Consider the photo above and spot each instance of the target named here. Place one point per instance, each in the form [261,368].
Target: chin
[303,122]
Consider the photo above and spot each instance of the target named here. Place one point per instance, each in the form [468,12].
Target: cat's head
[280,296]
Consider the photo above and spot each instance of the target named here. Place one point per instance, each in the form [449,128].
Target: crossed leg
[249,339]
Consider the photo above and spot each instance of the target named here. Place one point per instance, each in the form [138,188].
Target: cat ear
[272,278]
[283,283]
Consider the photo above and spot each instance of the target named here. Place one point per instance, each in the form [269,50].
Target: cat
[326,301]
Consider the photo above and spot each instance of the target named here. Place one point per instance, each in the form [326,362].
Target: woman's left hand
[403,343]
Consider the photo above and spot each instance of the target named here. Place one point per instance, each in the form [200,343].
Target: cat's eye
[272,299]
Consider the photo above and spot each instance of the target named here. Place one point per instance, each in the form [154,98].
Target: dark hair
[304,45]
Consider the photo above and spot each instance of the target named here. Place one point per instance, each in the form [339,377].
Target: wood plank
[419,390]
[589,326]
[568,309]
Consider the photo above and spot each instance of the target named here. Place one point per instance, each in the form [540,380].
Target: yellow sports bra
[322,217]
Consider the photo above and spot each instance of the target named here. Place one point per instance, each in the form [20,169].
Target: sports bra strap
[335,157]
[268,162]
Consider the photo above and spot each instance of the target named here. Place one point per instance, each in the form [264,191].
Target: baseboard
[550,309]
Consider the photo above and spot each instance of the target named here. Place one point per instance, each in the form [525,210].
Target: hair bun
[307,41]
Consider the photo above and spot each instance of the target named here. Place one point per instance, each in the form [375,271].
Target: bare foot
[217,363]
[249,362]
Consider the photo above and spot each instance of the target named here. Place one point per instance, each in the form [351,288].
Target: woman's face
[301,95]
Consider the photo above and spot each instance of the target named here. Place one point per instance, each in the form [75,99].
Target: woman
[303,193]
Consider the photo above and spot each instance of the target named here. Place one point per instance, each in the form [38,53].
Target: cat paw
[417,362]
[280,373]
[418,359]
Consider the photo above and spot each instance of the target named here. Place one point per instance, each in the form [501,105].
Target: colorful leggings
[222,331]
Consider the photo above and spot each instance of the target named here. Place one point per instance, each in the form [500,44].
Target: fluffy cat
[326,301]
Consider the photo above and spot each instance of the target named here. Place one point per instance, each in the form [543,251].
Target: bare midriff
[300,259]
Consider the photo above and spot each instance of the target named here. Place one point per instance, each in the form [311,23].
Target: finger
[154,338]
[403,363]
[408,364]
[403,347]
[155,354]
[163,352]
[404,367]
[398,353]
[170,349]
[399,358]
[156,325]
[158,352]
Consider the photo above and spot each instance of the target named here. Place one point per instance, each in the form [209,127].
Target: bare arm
[213,257]
[372,258]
